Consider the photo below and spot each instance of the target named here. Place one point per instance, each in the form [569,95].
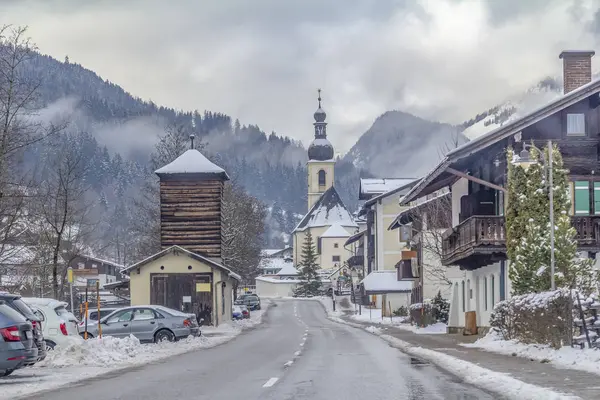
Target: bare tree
[243,228]
[62,210]
[430,220]
[452,143]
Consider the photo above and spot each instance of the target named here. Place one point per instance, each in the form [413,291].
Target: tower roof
[320,149]
[192,164]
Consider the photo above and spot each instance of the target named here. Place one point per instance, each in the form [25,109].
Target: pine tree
[441,308]
[310,281]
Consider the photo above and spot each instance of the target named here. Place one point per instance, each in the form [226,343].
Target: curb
[483,378]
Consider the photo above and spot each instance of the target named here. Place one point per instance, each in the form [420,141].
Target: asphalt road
[297,353]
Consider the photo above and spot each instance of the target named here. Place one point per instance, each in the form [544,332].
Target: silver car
[147,323]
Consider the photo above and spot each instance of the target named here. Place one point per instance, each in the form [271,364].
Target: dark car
[252,301]
[14,301]
[16,340]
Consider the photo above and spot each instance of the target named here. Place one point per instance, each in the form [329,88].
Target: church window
[321,178]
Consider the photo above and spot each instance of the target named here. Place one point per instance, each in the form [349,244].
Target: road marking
[297,353]
[270,382]
[287,364]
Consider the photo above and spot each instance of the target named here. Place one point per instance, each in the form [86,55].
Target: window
[223,298]
[485,293]
[122,316]
[335,258]
[597,198]
[405,233]
[80,265]
[335,245]
[94,266]
[469,291]
[493,287]
[582,198]
[143,314]
[576,124]
[321,178]
[463,296]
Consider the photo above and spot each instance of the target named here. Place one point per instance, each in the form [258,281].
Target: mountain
[401,145]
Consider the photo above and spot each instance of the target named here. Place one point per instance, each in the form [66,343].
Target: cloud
[261,61]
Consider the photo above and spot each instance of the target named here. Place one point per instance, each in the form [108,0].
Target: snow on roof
[288,269]
[385,282]
[269,252]
[277,280]
[275,263]
[326,211]
[191,162]
[335,231]
[382,185]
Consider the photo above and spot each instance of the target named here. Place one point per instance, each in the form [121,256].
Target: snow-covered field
[567,357]
[471,373]
[87,359]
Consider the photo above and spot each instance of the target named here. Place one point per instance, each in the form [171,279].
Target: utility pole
[551,197]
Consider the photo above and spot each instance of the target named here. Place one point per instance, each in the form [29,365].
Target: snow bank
[587,360]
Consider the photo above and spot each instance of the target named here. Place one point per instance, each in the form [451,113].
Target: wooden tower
[191,195]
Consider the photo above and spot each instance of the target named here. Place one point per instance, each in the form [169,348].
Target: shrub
[441,308]
[422,314]
[543,318]
[402,311]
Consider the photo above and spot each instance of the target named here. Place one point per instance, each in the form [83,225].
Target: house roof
[328,210]
[335,231]
[375,186]
[355,237]
[274,263]
[190,254]
[499,134]
[288,269]
[193,163]
[404,217]
[102,261]
[385,282]
[400,189]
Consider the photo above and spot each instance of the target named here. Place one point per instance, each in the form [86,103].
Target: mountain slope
[399,144]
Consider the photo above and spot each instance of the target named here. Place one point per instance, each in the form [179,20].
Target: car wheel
[50,345]
[164,334]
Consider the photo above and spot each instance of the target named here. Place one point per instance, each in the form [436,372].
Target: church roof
[336,231]
[192,162]
[328,210]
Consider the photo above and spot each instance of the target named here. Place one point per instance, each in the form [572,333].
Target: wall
[313,168]
[299,241]
[387,242]
[178,264]
[436,277]
[459,188]
[272,288]
[395,299]
[328,250]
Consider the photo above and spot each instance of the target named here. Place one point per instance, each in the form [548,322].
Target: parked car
[16,303]
[94,316]
[240,312]
[252,301]
[147,323]
[16,341]
[59,325]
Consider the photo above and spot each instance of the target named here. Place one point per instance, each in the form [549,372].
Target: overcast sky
[262,60]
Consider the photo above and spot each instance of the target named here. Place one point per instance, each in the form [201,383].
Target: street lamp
[524,157]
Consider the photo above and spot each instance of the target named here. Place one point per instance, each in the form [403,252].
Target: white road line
[297,353]
[287,364]
[270,382]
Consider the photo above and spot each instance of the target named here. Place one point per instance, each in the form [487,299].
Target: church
[328,220]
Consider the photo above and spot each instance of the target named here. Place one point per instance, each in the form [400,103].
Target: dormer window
[576,124]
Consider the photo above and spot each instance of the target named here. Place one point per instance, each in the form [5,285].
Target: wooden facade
[191,215]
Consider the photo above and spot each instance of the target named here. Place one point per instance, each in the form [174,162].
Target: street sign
[92,282]
[70,274]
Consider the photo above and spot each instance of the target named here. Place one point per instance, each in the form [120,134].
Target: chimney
[577,68]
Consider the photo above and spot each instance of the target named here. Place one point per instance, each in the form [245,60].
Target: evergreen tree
[310,281]
[441,308]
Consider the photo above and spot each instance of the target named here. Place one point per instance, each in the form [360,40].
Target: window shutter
[597,198]
[582,198]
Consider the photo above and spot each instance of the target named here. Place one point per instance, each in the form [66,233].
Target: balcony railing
[357,260]
[481,240]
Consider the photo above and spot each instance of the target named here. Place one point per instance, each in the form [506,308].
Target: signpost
[70,279]
[98,304]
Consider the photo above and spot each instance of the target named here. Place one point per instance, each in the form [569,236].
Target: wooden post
[390,307]
[98,304]
[86,312]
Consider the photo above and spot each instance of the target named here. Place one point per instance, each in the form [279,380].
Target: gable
[326,211]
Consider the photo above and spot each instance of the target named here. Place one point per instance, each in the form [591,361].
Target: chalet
[188,274]
[87,267]
[328,220]
[476,175]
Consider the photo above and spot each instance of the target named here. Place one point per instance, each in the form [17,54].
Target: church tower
[320,159]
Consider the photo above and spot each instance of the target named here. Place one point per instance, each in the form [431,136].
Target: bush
[422,314]
[402,311]
[441,308]
[542,318]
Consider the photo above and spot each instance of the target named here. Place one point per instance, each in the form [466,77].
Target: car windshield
[22,307]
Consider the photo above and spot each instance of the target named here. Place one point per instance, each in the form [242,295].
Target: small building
[188,274]
[88,267]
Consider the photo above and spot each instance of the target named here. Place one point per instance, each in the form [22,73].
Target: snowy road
[297,353]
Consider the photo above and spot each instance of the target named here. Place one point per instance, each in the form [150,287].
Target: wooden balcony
[481,240]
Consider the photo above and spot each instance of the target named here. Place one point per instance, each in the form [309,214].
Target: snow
[275,263]
[192,161]
[385,281]
[86,359]
[380,186]
[269,252]
[321,142]
[287,270]
[335,231]
[324,216]
[276,280]
[587,360]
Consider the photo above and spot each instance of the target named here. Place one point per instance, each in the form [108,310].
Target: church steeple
[320,158]
[320,149]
